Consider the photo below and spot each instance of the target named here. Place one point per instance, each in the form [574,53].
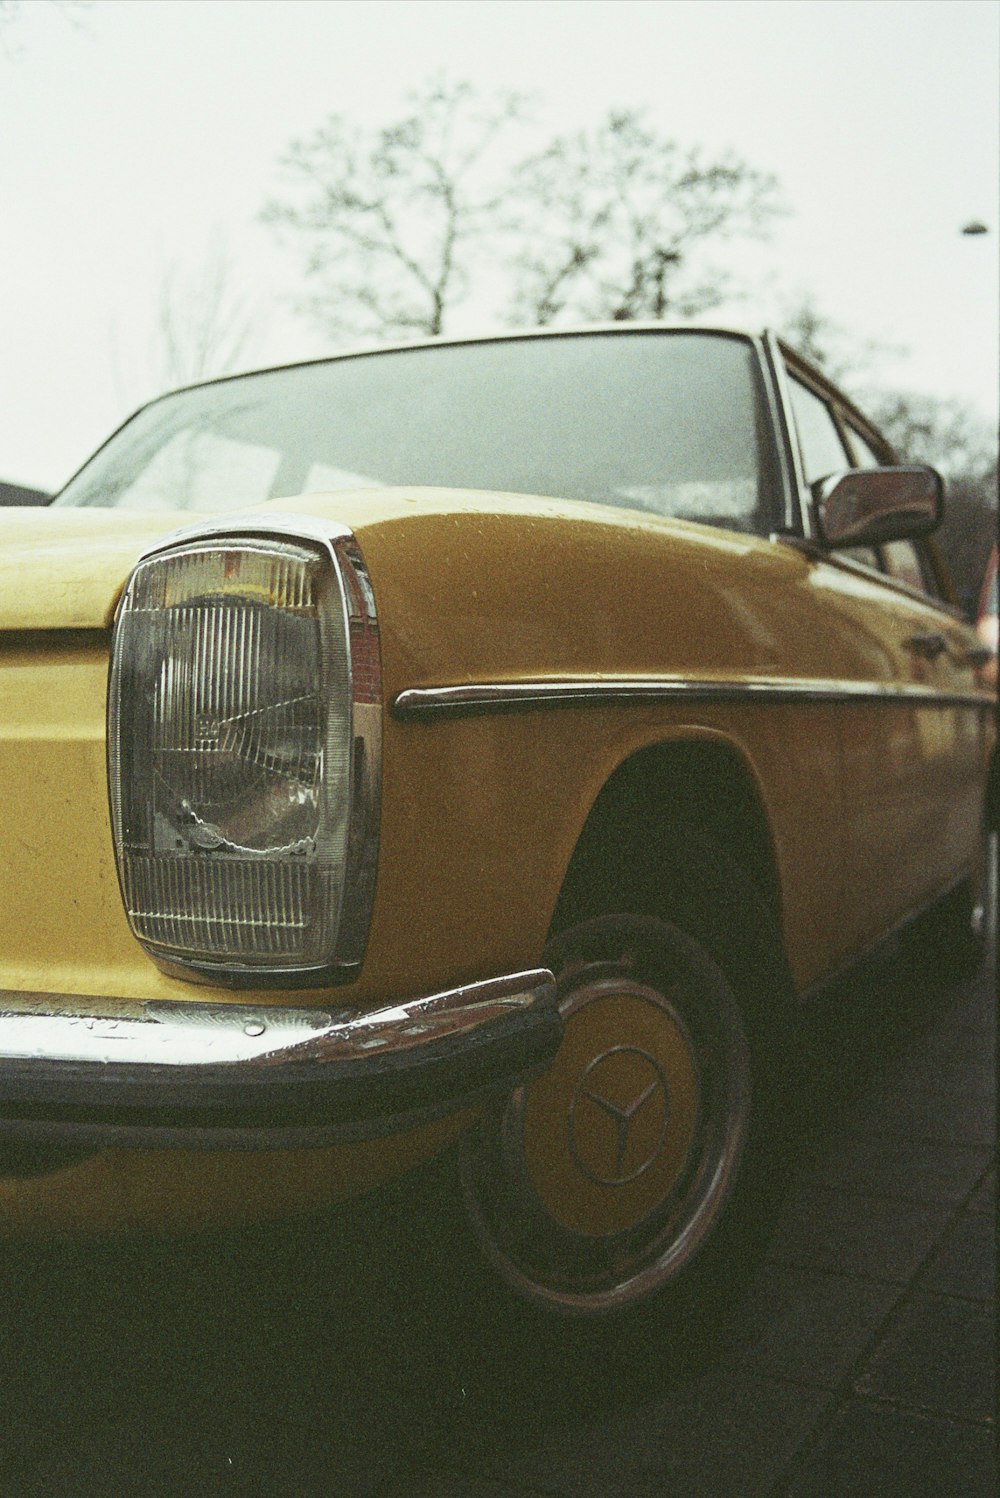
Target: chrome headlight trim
[360,624]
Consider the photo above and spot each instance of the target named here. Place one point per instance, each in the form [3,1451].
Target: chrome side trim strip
[193,1036]
[488,697]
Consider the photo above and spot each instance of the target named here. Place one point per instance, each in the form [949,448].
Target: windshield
[665,422]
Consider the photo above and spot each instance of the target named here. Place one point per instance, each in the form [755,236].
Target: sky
[141,139]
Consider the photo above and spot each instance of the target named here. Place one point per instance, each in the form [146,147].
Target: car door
[884,674]
[945,641]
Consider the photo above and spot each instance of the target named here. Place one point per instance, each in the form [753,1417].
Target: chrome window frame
[799,516]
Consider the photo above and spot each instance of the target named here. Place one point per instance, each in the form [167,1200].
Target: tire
[636,1181]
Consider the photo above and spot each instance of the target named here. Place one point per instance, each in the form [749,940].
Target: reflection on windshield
[663,422]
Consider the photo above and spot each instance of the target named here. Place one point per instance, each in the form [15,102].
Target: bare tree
[199,327]
[13,10]
[615,222]
[610,223]
[930,429]
[393,218]
[848,359]
[204,326]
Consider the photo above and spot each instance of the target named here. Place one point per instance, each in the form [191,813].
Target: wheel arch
[700,783]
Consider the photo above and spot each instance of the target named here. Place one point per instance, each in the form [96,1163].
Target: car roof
[496,335]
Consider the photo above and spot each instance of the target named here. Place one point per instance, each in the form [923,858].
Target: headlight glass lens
[230,752]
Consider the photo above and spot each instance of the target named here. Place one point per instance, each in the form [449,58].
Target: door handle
[929,645]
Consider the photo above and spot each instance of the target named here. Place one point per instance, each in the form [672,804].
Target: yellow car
[488,743]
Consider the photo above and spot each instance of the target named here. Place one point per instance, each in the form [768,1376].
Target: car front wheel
[594,1188]
[625,1196]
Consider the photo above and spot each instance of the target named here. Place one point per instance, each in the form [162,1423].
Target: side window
[866,555]
[864,456]
[902,561]
[820,443]
[822,450]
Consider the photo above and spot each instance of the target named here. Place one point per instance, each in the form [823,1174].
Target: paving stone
[136,1376]
[225,1448]
[968,1075]
[877,1450]
[936,1356]
[968,1081]
[965,1263]
[978,1022]
[122,1461]
[918,1113]
[984,1198]
[904,1169]
[976,1012]
[722,1437]
[813,1328]
[453,1485]
[841,1233]
[949,1044]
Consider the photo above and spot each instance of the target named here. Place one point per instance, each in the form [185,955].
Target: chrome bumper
[233,1076]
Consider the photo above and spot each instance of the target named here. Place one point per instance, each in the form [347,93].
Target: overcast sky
[138,135]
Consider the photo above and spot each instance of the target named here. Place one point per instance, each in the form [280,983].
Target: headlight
[244,725]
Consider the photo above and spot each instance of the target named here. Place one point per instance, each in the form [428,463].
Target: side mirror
[867,506]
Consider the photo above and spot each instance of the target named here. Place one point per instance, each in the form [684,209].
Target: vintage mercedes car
[485,744]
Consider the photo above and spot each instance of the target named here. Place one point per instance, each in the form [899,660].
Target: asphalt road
[349,1357]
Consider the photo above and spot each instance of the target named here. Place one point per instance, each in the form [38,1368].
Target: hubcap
[607,1131]
[595,1185]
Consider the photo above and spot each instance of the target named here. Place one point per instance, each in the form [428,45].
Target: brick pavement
[864,1361]
[329,1359]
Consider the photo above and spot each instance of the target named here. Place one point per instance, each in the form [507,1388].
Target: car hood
[64,568]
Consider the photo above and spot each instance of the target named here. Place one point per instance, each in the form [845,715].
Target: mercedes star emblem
[618,1167]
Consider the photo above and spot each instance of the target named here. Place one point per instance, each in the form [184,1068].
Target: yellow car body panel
[475,841]
[480,814]
[115,1191]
